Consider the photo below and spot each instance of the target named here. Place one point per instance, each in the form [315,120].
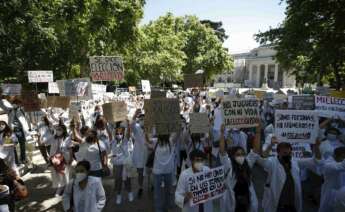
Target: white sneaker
[118,199]
[130,196]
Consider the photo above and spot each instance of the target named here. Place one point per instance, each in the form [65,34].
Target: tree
[218,29]
[311,40]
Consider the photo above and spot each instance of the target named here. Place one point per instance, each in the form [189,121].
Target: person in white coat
[8,141]
[339,203]
[283,190]
[182,193]
[333,171]
[84,193]
[240,195]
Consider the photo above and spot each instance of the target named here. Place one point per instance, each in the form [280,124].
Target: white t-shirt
[92,155]
[164,159]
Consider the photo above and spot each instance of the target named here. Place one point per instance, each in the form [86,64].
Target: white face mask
[80,177]
[240,159]
[198,166]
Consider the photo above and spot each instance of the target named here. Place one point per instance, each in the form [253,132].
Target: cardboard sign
[241,113]
[76,87]
[339,94]
[132,89]
[296,126]
[299,150]
[40,76]
[106,68]
[115,111]
[193,80]
[163,114]
[30,101]
[11,89]
[260,94]
[206,185]
[53,87]
[145,86]
[302,102]
[329,107]
[58,101]
[158,94]
[199,123]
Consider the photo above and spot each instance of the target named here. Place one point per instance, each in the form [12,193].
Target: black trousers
[21,139]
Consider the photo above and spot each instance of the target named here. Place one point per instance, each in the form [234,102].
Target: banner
[53,87]
[329,107]
[11,89]
[58,101]
[106,68]
[199,123]
[302,102]
[193,80]
[163,114]
[206,185]
[145,86]
[115,111]
[30,101]
[80,87]
[40,76]
[296,126]
[241,113]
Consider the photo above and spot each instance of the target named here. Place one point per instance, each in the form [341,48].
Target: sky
[241,18]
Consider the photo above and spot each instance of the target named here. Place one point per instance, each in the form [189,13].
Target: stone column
[266,73]
[276,72]
[250,72]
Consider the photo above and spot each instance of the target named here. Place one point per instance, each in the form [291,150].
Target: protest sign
[322,91]
[53,87]
[240,113]
[40,76]
[11,89]
[98,89]
[193,80]
[30,101]
[302,102]
[58,101]
[206,185]
[296,126]
[329,107]
[106,68]
[80,87]
[132,89]
[158,94]
[299,150]
[163,114]
[199,123]
[145,86]
[115,111]
[260,94]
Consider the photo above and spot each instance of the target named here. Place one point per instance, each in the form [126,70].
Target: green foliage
[311,40]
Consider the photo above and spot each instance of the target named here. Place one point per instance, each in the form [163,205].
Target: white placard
[296,126]
[11,89]
[328,106]
[53,87]
[206,185]
[298,150]
[98,89]
[145,86]
[40,76]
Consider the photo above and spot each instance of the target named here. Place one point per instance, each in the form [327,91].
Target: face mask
[240,159]
[331,137]
[119,137]
[80,177]
[198,166]
[286,158]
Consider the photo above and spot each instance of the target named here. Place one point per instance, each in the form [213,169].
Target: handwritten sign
[199,123]
[53,87]
[302,102]
[58,101]
[163,114]
[98,89]
[296,126]
[145,86]
[115,111]
[328,106]
[299,150]
[80,87]
[30,101]
[193,80]
[40,76]
[11,89]
[240,113]
[206,185]
[106,68]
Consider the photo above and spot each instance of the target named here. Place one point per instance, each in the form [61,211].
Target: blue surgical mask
[331,137]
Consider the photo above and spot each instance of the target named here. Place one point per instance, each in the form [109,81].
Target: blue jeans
[162,196]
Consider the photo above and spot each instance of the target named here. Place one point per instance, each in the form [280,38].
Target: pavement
[42,195]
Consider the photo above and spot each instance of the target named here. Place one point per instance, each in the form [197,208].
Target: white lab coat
[228,202]
[339,204]
[140,149]
[334,178]
[94,199]
[276,178]
[182,189]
